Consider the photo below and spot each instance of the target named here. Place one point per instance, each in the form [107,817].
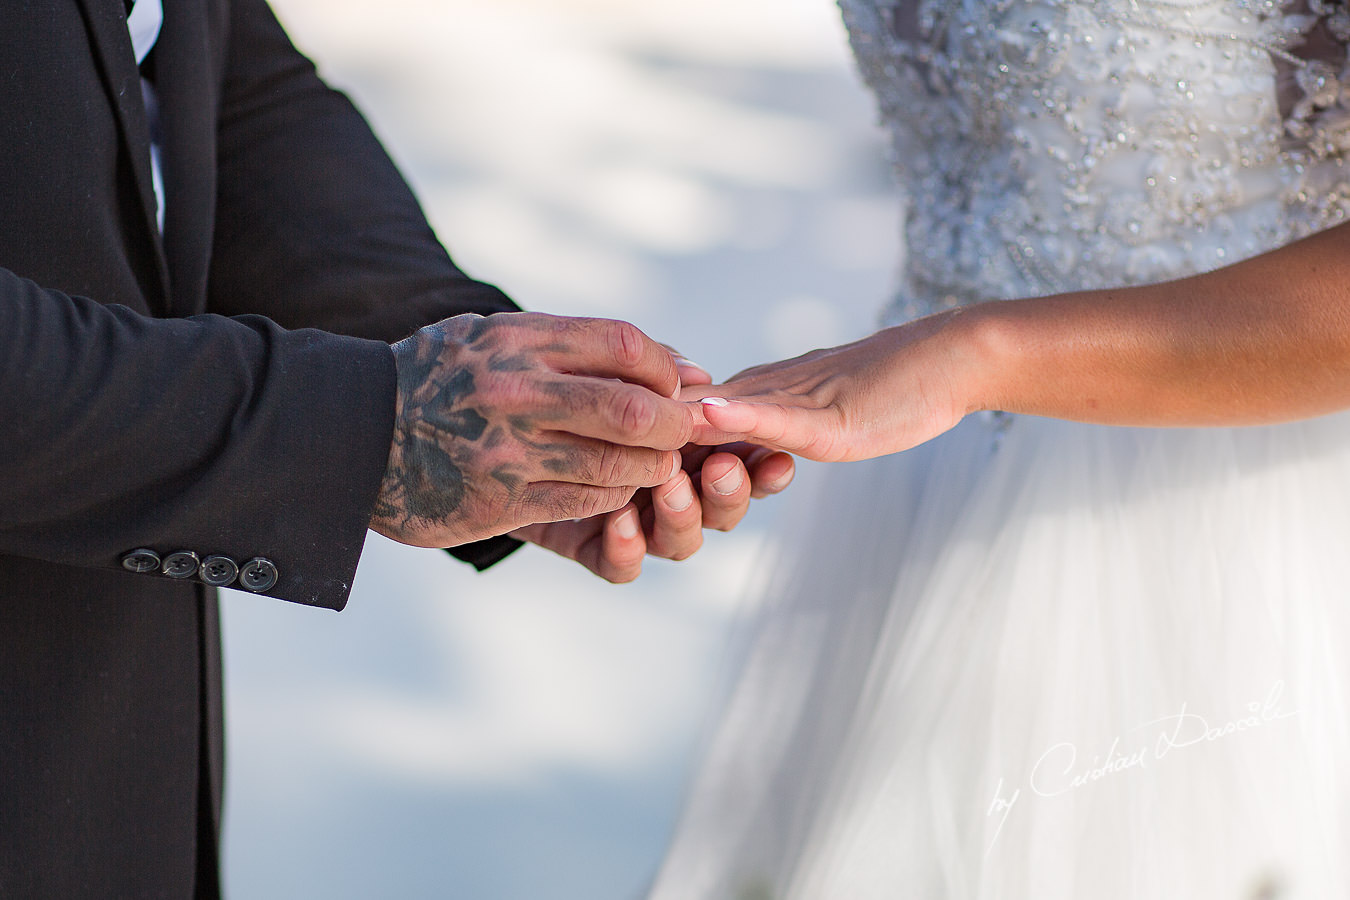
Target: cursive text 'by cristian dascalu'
[1062,768]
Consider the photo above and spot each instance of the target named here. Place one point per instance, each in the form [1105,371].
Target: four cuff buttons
[257,575]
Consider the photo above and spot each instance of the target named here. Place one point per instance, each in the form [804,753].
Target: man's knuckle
[589,465]
[561,500]
[609,463]
[541,503]
[567,502]
[633,414]
[627,343]
[509,391]
[592,501]
[535,321]
[552,331]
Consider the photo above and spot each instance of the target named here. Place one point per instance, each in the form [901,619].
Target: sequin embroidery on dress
[1047,146]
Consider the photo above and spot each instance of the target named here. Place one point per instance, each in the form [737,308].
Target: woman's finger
[726,488]
[805,432]
[676,530]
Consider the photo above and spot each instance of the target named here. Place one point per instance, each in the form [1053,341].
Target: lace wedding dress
[1042,660]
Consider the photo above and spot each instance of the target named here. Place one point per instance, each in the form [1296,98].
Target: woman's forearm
[1262,341]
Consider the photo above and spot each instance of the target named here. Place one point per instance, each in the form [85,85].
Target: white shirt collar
[144,22]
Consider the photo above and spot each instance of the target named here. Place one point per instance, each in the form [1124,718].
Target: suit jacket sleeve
[315,225]
[238,436]
[220,436]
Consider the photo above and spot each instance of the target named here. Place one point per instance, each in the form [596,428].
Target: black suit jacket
[147,403]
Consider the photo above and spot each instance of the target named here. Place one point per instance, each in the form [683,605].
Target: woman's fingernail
[729,483]
[627,525]
[680,497]
[714,401]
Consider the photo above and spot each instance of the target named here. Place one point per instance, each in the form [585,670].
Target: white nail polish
[714,401]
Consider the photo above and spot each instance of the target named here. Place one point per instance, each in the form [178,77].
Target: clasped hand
[564,432]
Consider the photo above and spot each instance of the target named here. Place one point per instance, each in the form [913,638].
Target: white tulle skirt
[1039,660]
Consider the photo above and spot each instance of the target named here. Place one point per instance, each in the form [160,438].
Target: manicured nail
[729,483]
[681,497]
[714,401]
[627,525]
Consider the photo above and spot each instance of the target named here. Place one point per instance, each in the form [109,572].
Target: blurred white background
[707,169]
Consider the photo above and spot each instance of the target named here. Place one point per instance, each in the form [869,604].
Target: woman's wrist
[1063,356]
[981,346]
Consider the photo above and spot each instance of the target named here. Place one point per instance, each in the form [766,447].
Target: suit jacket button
[183,564]
[218,571]
[258,575]
[141,560]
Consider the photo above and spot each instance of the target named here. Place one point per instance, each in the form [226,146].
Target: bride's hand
[885,393]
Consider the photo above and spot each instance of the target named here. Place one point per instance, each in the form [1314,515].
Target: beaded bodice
[1050,145]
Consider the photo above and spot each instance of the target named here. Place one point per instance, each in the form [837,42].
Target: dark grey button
[182,564]
[141,560]
[258,575]
[218,571]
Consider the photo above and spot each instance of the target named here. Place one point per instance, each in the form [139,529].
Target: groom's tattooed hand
[521,418]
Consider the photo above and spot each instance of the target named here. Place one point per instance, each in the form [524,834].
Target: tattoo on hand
[445,427]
